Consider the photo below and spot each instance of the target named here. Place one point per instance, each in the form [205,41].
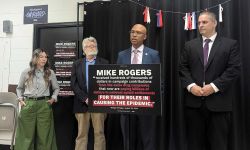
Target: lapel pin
[146,53]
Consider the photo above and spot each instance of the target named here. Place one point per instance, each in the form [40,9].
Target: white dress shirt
[139,53]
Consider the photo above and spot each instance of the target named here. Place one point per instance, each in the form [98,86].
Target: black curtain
[110,22]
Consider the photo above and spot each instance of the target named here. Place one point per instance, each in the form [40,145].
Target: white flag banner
[220,13]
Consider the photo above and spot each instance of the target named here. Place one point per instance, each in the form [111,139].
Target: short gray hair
[88,39]
[209,13]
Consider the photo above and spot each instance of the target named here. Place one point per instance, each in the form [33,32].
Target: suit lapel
[83,67]
[127,57]
[145,55]
[213,51]
[97,60]
[200,49]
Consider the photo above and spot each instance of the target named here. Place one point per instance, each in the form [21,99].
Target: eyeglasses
[90,46]
[132,32]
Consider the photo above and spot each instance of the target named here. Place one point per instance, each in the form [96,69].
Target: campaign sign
[127,89]
[35,14]
[65,54]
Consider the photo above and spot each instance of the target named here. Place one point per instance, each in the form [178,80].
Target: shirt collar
[212,38]
[140,49]
[40,70]
[90,61]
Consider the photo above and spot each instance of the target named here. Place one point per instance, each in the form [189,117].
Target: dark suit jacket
[78,83]
[149,56]
[222,69]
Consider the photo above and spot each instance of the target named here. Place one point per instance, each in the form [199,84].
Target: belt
[37,98]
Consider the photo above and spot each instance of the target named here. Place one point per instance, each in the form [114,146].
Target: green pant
[35,130]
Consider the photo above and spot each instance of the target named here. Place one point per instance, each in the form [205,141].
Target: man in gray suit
[138,54]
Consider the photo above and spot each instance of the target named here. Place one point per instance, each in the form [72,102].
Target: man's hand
[207,90]
[87,101]
[196,90]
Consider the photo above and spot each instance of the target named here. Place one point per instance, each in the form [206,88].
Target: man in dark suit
[79,84]
[138,54]
[208,68]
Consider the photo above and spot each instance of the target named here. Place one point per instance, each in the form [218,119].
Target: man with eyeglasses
[79,84]
[145,124]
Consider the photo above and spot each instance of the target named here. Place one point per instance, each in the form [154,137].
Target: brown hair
[33,66]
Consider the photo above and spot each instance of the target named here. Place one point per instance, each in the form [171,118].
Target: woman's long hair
[33,67]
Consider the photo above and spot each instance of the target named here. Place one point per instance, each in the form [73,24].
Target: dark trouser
[35,129]
[207,130]
[144,125]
